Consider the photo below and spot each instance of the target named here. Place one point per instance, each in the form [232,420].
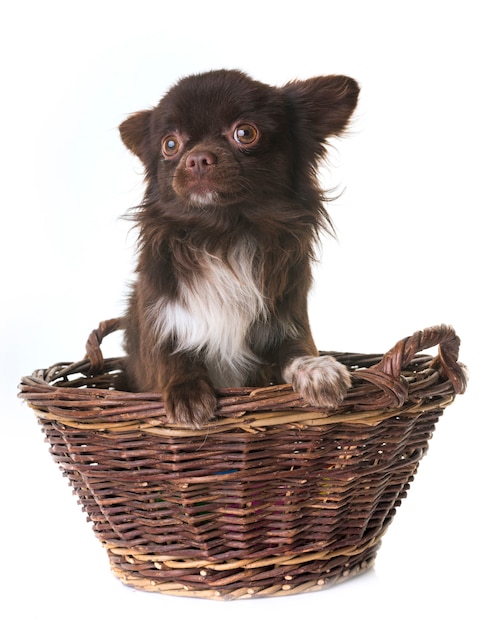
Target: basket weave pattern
[273,497]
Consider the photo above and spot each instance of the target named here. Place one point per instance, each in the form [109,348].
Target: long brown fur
[227,231]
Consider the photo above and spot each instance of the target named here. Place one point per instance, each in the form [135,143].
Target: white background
[409,255]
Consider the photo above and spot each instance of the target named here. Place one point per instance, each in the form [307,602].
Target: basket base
[243,580]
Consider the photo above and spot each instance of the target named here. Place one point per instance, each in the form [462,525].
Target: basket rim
[83,394]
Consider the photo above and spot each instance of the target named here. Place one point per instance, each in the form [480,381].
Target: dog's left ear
[135,134]
[325,103]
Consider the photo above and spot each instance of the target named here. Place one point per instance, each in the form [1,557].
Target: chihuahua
[227,232]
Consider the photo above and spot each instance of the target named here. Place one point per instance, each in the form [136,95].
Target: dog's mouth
[203,199]
[206,194]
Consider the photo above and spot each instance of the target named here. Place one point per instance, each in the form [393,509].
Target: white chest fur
[213,312]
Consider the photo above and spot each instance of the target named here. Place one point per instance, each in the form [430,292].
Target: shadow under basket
[273,497]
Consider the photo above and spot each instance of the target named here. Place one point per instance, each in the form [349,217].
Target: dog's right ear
[135,134]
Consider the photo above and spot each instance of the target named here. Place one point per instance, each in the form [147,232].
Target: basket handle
[387,374]
[93,344]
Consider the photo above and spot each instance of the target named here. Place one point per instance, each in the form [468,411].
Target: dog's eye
[246,134]
[170,145]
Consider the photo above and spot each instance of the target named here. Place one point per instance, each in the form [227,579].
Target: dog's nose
[199,161]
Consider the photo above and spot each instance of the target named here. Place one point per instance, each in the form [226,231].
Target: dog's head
[221,139]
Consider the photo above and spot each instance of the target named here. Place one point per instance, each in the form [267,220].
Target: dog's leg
[188,393]
[320,380]
[182,380]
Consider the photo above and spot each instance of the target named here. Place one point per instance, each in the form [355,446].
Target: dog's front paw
[321,380]
[190,403]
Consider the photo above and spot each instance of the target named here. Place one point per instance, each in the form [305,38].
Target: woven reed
[273,497]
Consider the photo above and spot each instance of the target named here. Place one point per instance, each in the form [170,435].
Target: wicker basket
[272,497]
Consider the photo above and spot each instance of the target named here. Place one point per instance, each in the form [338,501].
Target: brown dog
[228,225]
